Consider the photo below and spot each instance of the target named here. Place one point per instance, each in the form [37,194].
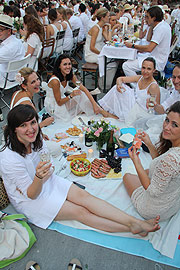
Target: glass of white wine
[78,83]
[152,100]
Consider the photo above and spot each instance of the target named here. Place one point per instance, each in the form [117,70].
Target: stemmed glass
[152,100]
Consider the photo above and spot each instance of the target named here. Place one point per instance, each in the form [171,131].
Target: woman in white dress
[68,38]
[96,36]
[29,83]
[42,196]
[54,27]
[80,100]
[33,38]
[130,105]
[157,190]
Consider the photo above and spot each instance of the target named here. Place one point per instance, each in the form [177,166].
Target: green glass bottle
[110,145]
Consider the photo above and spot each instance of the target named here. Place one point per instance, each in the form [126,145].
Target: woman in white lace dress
[157,190]
[65,107]
[129,104]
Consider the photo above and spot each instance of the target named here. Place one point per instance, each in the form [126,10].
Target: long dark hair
[163,145]
[57,71]
[18,115]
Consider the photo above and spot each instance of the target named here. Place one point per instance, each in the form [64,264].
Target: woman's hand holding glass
[75,93]
[120,87]
[43,170]
[151,102]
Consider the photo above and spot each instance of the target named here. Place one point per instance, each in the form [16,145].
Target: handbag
[4,200]
[16,238]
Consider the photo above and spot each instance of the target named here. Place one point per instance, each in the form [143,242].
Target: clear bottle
[1,115]
[110,145]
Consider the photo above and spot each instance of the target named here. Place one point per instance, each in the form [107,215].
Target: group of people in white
[32,187]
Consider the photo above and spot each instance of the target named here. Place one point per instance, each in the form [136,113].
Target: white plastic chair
[35,66]
[13,66]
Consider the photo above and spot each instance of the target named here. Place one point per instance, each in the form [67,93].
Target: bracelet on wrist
[133,46]
[70,96]
[38,176]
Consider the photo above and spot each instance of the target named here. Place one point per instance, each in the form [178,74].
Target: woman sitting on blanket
[35,190]
[80,100]
[128,105]
[157,190]
[29,83]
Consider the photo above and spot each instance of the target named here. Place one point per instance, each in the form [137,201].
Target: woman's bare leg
[71,211]
[131,182]
[105,210]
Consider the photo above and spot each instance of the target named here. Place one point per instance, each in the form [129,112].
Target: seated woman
[96,36]
[68,37]
[54,27]
[29,83]
[42,196]
[157,190]
[126,104]
[115,26]
[67,107]
[33,38]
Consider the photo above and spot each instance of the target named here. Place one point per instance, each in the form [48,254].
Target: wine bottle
[110,145]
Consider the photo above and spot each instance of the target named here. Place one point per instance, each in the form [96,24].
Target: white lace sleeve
[165,171]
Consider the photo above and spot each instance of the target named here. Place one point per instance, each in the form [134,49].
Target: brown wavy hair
[34,26]
[164,145]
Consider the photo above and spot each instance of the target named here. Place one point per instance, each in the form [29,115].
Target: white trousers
[130,68]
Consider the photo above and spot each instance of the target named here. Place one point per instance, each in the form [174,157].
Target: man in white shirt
[175,96]
[158,48]
[76,23]
[84,18]
[11,48]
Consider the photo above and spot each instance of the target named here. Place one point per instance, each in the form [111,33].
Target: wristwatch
[133,46]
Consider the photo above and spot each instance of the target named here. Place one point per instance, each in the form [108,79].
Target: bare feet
[107,114]
[143,227]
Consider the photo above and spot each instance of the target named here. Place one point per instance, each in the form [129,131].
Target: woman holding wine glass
[68,106]
[131,104]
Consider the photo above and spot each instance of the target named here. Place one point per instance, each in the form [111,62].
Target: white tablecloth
[115,52]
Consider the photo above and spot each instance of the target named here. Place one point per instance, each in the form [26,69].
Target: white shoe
[96,91]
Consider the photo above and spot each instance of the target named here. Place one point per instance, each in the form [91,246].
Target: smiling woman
[157,190]
[122,101]
[29,83]
[80,100]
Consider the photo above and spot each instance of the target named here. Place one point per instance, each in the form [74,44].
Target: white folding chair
[35,66]
[13,66]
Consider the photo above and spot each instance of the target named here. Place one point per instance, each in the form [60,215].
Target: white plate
[75,121]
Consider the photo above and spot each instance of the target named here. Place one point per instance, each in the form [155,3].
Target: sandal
[32,266]
[74,264]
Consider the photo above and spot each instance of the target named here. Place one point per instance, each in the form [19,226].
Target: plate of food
[71,147]
[60,136]
[106,169]
[74,131]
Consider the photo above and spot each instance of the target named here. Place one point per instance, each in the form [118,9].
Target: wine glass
[78,83]
[152,100]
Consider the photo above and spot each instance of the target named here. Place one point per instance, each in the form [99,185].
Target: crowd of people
[30,183]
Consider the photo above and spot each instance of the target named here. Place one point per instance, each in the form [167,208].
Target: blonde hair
[101,13]
[25,73]
[62,11]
